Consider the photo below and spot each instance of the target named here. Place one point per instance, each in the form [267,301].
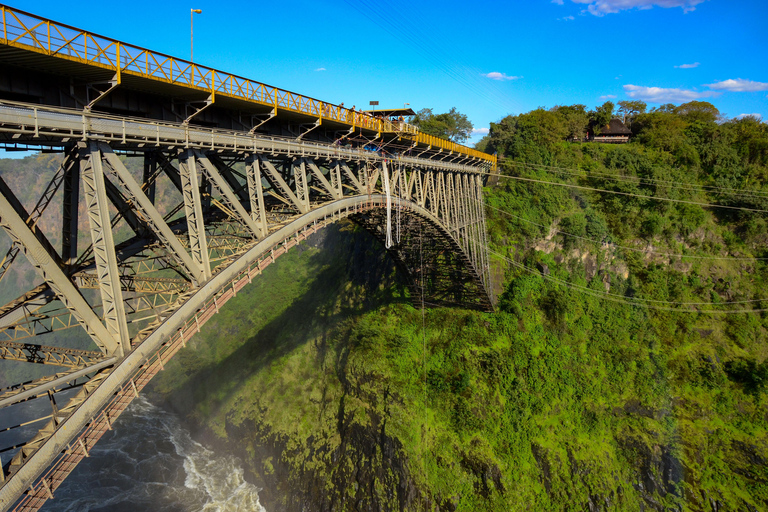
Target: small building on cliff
[614,132]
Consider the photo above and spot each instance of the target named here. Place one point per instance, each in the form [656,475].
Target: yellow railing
[30,32]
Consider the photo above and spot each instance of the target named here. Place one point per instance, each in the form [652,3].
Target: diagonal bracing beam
[152,217]
[273,177]
[42,256]
[220,184]
[333,191]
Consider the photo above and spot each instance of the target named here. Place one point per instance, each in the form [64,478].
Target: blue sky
[488,59]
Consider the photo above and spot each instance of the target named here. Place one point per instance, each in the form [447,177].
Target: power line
[637,302]
[437,58]
[641,196]
[672,255]
[631,179]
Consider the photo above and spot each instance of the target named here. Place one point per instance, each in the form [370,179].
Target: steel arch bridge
[231,174]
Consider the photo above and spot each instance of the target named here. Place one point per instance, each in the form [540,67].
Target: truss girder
[222,187]
[103,243]
[45,260]
[41,354]
[193,208]
[439,213]
[151,216]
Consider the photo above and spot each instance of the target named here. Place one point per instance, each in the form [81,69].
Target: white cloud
[495,75]
[742,116]
[481,131]
[663,95]
[603,7]
[607,97]
[320,69]
[688,66]
[739,85]
[558,2]
[566,18]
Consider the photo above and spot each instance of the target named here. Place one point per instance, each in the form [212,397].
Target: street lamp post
[192,32]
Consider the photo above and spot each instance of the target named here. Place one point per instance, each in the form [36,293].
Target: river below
[150,462]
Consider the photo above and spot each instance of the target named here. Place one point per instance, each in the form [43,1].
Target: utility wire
[641,196]
[636,302]
[393,25]
[671,255]
[637,180]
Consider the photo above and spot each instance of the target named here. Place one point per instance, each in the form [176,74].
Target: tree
[601,116]
[702,111]
[631,109]
[575,120]
[452,125]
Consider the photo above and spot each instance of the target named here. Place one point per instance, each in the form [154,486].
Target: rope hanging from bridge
[385,179]
[399,192]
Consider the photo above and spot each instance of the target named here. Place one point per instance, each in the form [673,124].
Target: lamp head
[197,11]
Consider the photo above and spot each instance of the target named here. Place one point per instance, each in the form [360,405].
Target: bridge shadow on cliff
[349,275]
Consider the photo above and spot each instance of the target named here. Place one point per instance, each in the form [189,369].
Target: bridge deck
[32,41]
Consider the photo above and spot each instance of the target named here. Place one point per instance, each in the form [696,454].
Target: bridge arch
[437,269]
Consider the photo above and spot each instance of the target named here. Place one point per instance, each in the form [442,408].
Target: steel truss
[244,201]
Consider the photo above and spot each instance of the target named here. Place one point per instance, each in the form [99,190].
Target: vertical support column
[416,178]
[442,212]
[432,193]
[193,208]
[362,177]
[466,207]
[148,179]
[474,231]
[461,220]
[302,187]
[450,196]
[69,217]
[256,192]
[336,179]
[104,248]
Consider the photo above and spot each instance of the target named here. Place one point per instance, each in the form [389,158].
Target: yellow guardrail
[30,32]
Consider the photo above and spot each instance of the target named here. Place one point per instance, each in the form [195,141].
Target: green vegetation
[578,393]
[566,397]
[452,125]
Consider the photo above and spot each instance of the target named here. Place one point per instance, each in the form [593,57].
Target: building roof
[393,112]
[615,127]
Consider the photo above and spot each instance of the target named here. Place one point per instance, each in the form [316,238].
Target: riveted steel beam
[221,186]
[256,193]
[105,258]
[152,217]
[42,256]
[193,207]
